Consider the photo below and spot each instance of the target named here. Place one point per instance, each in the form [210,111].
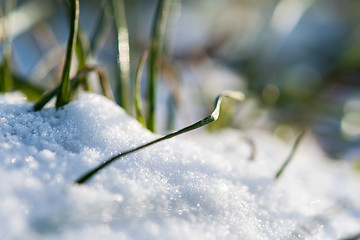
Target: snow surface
[198,186]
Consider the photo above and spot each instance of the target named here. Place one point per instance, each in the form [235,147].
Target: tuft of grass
[207,120]
[156,49]
[123,88]
[292,152]
[63,95]
[137,90]
[74,84]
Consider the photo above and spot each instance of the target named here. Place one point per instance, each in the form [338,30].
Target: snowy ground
[195,187]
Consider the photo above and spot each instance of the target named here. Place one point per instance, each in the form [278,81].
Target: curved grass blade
[74,83]
[104,84]
[156,49]
[290,157]
[123,89]
[63,95]
[137,96]
[252,145]
[209,119]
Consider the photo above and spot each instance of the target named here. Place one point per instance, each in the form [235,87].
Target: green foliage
[6,82]
[123,87]
[32,91]
[74,84]
[63,95]
[82,54]
[137,95]
[5,76]
[284,76]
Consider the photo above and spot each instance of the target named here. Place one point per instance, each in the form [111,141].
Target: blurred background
[298,61]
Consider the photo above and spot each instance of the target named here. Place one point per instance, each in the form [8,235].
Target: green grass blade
[123,89]
[27,87]
[81,50]
[6,81]
[63,96]
[292,152]
[137,95]
[209,119]
[49,95]
[74,83]
[45,99]
[156,49]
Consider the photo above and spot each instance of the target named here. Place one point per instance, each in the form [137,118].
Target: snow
[197,186]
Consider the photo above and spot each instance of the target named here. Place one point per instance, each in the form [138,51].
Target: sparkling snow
[198,186]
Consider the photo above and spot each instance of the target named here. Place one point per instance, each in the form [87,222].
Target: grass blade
[104,83]
[252,145]
[74,83]
[289,158]
[209,119]
[137,96]
[63,96]
[49,95]
[6,81]
[27,87]
[81,50]
[156,49]
[123,89]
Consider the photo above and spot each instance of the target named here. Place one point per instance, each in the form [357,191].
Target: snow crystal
[197,187]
